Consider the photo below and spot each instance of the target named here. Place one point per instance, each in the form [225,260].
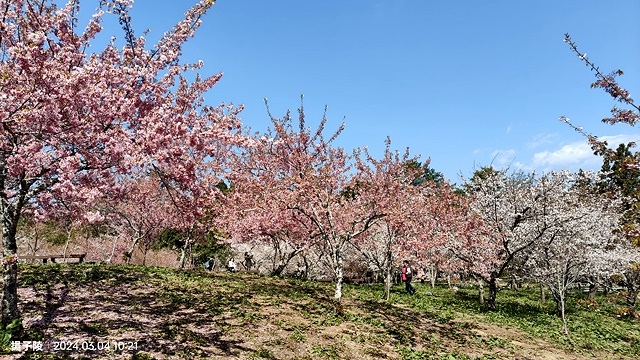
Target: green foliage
[425,173]
[264,354]
[298,336]
[593,326]
[617,174]
[93,329]
[617,177]
[329,352]
[485,172]
[142,356]
[211,248]
[223,187]
[6,332]
[169,239]
[50,231]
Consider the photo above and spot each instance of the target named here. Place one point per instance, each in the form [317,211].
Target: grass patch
[200,315]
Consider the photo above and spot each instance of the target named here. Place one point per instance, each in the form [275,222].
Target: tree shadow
[97,305]
[406,324]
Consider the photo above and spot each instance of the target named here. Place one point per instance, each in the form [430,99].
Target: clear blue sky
[466,83]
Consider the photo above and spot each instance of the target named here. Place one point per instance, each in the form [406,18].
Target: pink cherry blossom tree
[303,184]
[74,123]
[467,245]
[250,215]
[140,214]
[405,220]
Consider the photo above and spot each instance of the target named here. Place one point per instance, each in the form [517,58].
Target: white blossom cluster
[554,228]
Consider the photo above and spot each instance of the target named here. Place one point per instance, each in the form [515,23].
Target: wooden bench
[53,258]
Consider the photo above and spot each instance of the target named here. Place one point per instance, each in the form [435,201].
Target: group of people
[231,265]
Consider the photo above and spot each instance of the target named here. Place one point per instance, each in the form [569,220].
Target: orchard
[115,153]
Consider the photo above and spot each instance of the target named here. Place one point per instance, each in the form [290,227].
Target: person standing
[232,265]
[209,264]
[248,261]
[407,275]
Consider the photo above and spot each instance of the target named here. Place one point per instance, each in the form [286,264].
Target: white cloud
[570,154]
[615,140]
[576,155]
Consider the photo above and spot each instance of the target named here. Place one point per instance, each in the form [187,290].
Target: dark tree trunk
[9,290]
[279,270]
[558,302]
[632,296]
[9,303]
[593,289]
[493,292]
[284,262]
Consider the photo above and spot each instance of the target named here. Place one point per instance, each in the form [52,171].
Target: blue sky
[465,83]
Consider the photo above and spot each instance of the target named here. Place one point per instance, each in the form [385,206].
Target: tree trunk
[338,264]
[307,266]
[66,244]
[593,289]
[279,269]
[558,310]
[338,294]
[632,296]
[493,292]
[183,256]
[388,269]
[113,250]
[606,287]
[9,290]
[144,257]
[387,283]
[513,283]
[562,315]
[543,298]
[434,275]
[284,262]
[481,291]
[185,252]
[9,263]
[129,254]
[559,297]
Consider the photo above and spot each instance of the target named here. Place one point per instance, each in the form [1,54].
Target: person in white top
[232,265]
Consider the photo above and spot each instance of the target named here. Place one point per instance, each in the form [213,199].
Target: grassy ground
[133,312]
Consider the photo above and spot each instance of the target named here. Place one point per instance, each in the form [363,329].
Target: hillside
[157,313]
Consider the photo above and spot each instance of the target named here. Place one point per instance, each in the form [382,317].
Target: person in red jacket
[407,275]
